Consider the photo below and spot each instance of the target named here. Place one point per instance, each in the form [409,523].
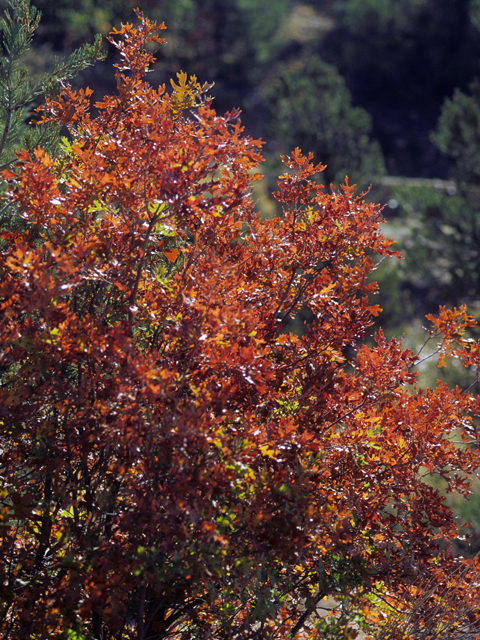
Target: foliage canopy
[175,463]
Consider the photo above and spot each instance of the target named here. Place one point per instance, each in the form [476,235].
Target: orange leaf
[171,254]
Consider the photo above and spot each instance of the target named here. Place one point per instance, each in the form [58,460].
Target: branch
[140,613]
[133,295]
[304,617]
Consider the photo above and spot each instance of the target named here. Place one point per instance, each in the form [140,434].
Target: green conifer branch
[18,95]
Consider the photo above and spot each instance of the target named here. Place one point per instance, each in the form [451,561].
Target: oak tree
[174,462]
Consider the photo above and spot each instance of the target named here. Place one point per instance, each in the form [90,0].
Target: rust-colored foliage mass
[175,463]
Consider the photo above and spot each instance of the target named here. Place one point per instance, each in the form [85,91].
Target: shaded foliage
[442,230]
[400,59]
[310,106]
[458,134]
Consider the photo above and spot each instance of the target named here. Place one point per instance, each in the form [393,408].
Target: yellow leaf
[270,453]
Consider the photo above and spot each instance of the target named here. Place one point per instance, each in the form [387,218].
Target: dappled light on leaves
[176,463]
[185,94]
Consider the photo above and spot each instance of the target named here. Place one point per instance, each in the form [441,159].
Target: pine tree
[19,93]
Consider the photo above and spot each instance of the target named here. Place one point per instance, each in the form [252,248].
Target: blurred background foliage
[384,91]
[308,105]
